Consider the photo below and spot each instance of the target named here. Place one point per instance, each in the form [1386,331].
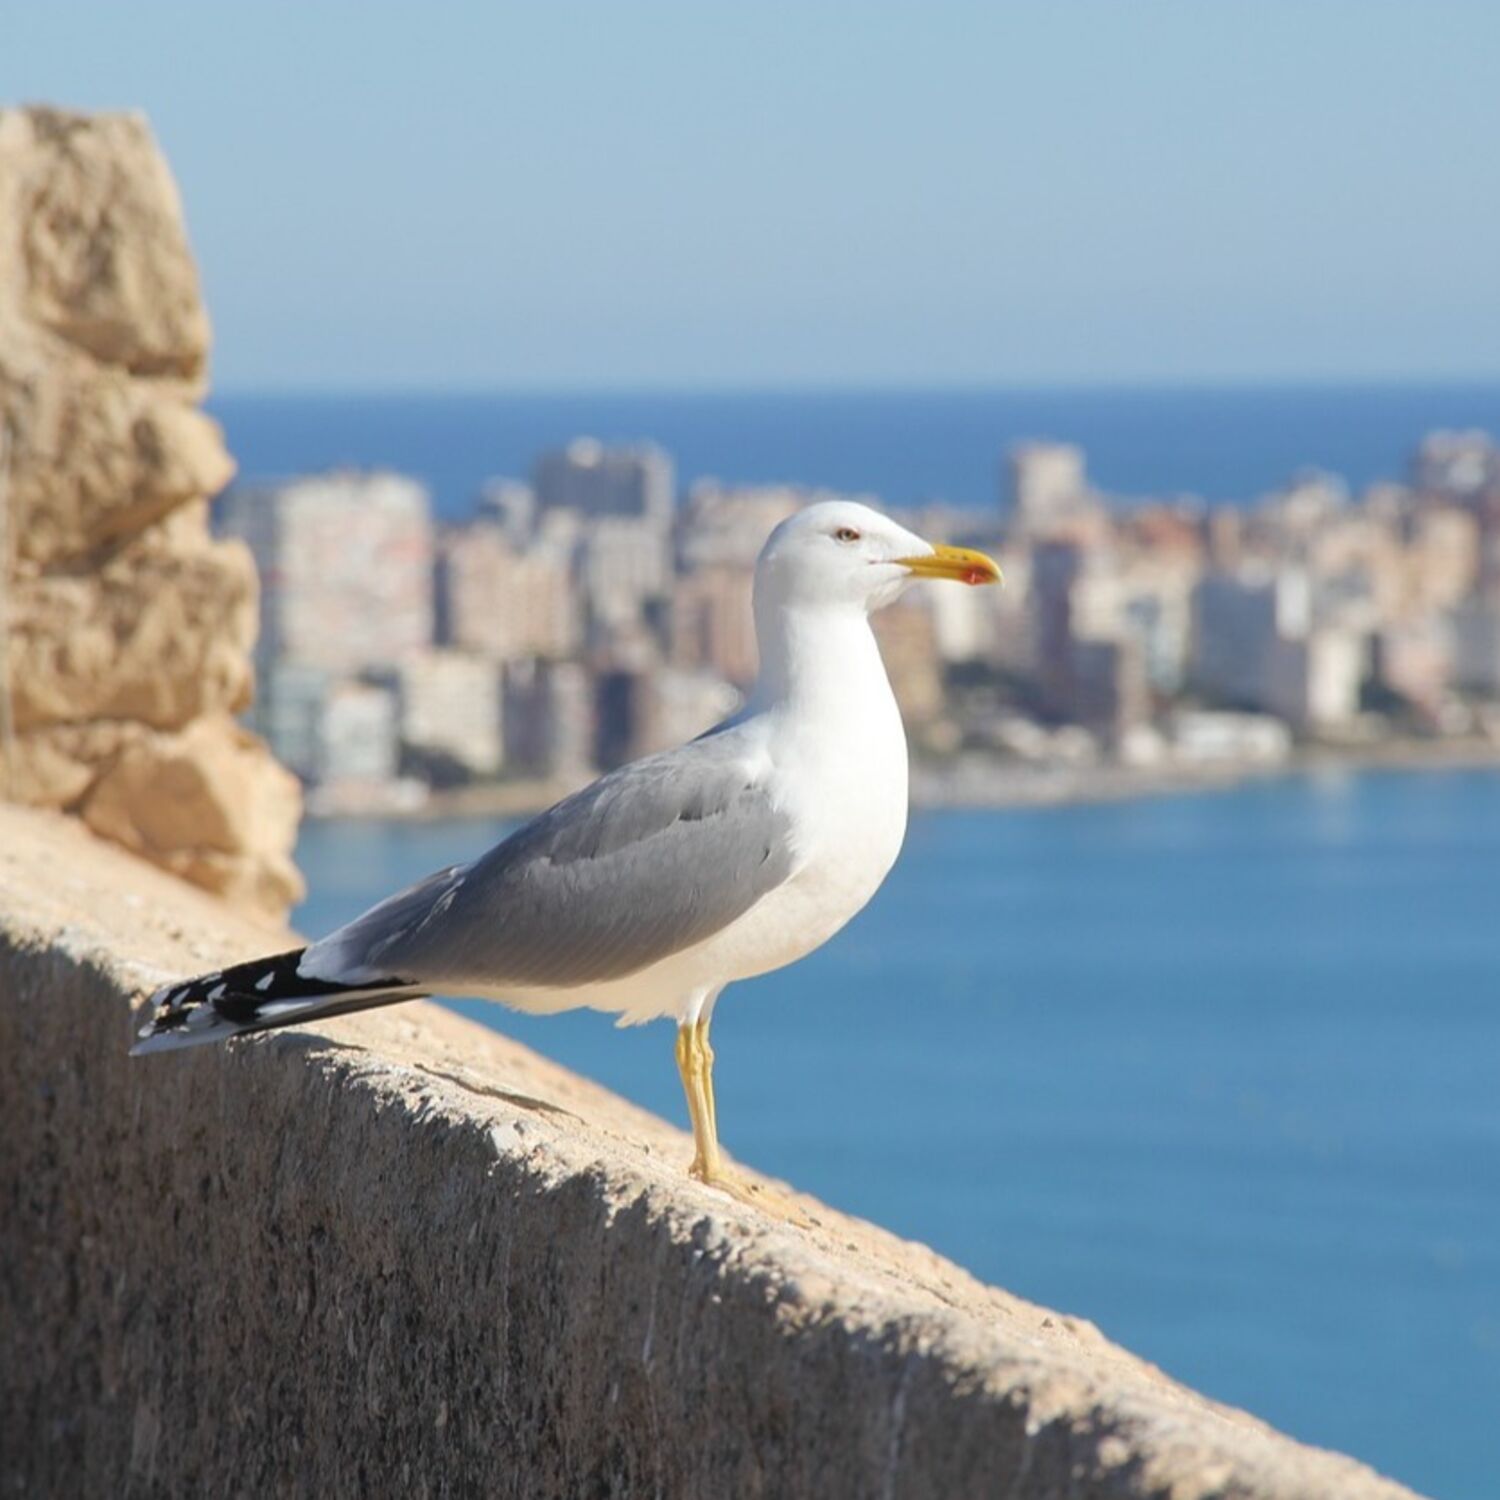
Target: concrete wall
[401,1255]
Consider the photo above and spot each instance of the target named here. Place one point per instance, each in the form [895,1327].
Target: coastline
[999,786]
[985,783]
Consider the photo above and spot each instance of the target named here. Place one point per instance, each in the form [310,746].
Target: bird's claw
[761,1195]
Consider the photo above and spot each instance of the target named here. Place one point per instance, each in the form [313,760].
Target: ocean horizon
[1221,444]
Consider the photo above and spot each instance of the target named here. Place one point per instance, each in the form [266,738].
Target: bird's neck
[822,660]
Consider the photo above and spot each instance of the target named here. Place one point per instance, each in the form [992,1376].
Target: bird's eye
[846,534]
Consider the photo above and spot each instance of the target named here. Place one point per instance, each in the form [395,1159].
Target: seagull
[649,891]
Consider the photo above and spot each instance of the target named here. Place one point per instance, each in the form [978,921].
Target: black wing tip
[255,996]
[218,1002]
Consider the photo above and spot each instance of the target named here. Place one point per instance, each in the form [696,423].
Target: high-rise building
[1475,633]
[357,740]
[639,712]
[908,646]
[727,525]
[713,624]
[1238,618]
[1442,557]
[1158,614]
[345,563]
[549,718]
[967,622]
[1413,661]
[1313,682]
[1091,653]
[450,711]
[596,480]
[624,564]
[1055,568]
[1046,485]
[1486,508]
[504,602]
[1257,645]
[1110,692]
[684,705]
[288,711]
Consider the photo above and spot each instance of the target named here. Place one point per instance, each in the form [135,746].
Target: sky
[650,195]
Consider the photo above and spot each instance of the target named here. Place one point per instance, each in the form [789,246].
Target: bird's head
[840,552]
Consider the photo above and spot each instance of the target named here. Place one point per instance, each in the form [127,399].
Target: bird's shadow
[489,1091]
[311,1042]
[296,1041]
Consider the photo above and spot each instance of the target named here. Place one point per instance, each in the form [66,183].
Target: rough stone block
[160,636]
[124,621]
[105,255]
[208,804]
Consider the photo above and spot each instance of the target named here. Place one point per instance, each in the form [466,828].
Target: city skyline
[961,196]
[595,612]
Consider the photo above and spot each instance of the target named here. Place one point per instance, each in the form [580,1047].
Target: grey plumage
[646,862]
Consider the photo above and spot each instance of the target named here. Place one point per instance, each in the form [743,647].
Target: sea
[902,447]
[1219,1072]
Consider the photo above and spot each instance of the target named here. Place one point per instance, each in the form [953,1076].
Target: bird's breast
[850,821]
[846,796]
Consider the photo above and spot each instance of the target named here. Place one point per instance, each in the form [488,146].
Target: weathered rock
[401,1255]
[193,801]
[124,620]
[98,456]
[104,254]
[55,766]
[156,635]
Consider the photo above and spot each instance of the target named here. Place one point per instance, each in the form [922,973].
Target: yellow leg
[698,1086]
[695,1064]
[706,1056]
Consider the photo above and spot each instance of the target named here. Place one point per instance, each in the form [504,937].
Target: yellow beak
[962,564]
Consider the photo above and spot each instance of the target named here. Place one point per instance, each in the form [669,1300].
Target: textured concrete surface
[401,1255]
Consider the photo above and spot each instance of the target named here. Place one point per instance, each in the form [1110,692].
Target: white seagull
[647,892]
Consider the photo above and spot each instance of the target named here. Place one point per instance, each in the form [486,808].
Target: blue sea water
[904,447]
[1219,1072]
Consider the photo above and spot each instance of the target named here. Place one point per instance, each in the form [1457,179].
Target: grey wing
[646,862]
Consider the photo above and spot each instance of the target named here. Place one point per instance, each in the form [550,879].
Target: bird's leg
[706,1056]
[706,1166]
[695,1062]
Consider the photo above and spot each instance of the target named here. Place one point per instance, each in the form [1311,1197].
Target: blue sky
[645,194]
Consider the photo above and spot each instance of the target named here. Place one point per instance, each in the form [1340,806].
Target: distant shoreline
[979,784]
[1007,786]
